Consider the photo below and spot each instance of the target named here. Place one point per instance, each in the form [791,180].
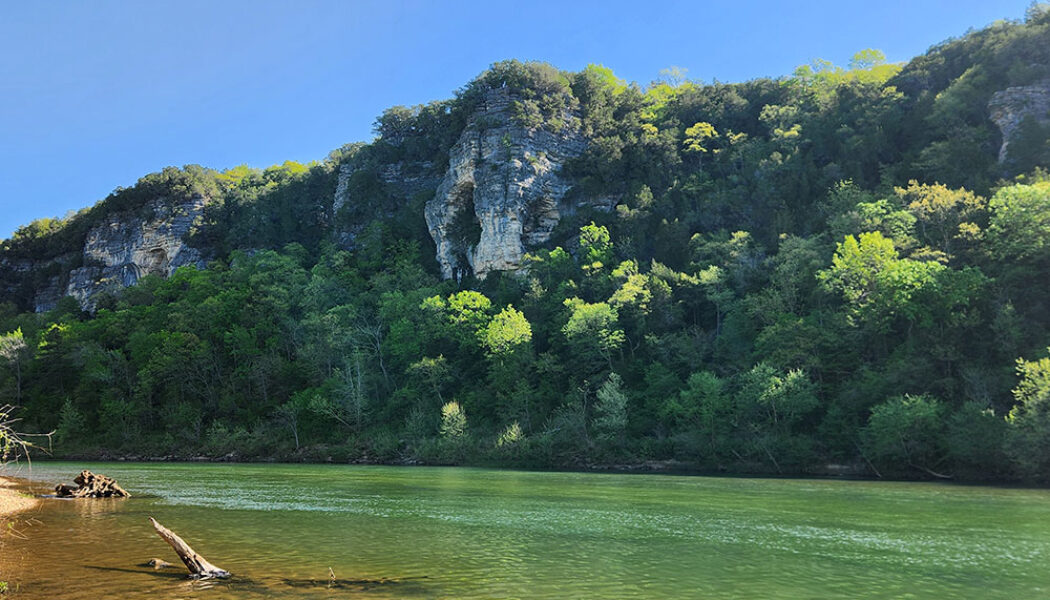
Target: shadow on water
[404,587]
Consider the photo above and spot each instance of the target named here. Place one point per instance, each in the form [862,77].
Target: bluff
[503,192]
[482,179]
[115,253]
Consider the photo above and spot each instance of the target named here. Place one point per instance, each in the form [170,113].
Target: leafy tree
[595,247]
[15,351]
[770,408]
[698,138]
[1019,225]
[453,421]
[907,430]
[507,331]
[610,421]
[945,217]
[593,331]
[875,282]
[1029,435]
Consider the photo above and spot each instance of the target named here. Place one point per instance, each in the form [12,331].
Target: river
[399,532]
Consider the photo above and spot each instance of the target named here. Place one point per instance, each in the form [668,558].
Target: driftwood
[158,564]
[199,567]
[90,485]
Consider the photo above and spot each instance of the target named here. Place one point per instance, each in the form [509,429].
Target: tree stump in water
[198,566]
[90,485]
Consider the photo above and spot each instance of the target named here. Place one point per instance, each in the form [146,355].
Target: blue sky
[94,95]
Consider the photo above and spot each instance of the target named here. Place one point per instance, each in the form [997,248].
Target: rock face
[117,253]
[126,248]
[1009,107]
[503,190]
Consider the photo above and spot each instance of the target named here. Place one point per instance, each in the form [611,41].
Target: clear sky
[94,95]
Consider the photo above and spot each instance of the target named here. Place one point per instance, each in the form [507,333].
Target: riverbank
[13,501]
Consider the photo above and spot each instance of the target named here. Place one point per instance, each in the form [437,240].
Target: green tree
[770,409]
[593,331]
[453,421]
[1019,225]
[946,217]
[508,331]
[875,282]
[15,352]
[1029,420]
[610,421]
[595,247]
[907,432]
[698,138]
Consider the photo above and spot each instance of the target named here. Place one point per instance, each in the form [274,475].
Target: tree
[610,423]
[907,431]
[945,216]
[697,140]
[716,288]
[770,408]
[13,443]
[511,436]
[289,413]
[1019,226]
[453,421]
[593,331]
[508,331]
[1028,444]
[595,247]
[15,351]
[875,282]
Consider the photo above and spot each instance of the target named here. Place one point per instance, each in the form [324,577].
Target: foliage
[453,420]
[906,430]
[796,272]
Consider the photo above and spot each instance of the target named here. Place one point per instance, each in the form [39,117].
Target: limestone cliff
[503,191]
[1010,107]
[116,253]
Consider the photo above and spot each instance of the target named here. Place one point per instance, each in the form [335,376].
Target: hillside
[840,270]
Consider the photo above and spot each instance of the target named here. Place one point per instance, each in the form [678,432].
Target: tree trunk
[198,566]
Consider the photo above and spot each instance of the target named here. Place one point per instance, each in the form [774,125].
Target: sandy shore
[11,501]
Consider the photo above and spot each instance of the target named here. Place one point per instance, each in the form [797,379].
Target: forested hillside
[844,266]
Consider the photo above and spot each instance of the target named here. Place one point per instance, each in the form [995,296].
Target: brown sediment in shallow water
[11,500]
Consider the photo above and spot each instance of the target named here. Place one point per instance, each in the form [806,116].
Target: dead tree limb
[198,566]
[91,485]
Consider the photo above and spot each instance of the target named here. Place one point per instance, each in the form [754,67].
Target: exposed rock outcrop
[125,248]
[1010,107]
[116,253]
[503,191]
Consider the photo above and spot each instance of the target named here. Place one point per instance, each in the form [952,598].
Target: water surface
[389,532]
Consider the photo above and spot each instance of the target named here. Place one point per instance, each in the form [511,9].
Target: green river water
[397,532]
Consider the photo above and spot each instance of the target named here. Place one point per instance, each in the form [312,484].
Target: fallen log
[199,567]
[90,485]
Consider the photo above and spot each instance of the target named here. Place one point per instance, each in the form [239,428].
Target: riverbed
[394,532]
